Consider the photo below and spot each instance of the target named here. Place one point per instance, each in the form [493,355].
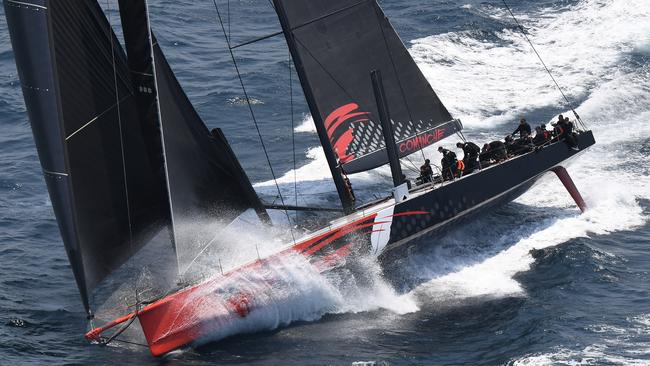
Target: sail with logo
[335,44]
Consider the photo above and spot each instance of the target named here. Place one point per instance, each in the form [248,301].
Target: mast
[332,161]
[203,178]
[387,127]
[172,230]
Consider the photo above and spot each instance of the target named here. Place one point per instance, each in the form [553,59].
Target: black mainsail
[335,45]
[123,152]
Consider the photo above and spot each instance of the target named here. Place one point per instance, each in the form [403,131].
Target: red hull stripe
[313,246]
[409,213]
[339,234]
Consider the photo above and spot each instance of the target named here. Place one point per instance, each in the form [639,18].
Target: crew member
[570,137]
[486,155]
[519,146]
[348,185]
[426,172]
[540,136]
[498,151]
[448,163]
[470,155]
[511,147]
[568,124]
[547,133]
[523,129]
[558,130]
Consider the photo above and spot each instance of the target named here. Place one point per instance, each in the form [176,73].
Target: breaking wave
[619,345]
[583,45]
[291,289]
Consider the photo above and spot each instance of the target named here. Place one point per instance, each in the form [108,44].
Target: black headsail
[335,45]
[205,178]
[83,116]
[99,137]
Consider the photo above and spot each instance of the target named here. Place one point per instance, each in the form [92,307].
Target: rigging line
[250,108]
[131,343]
[228,10]
[412,167]
[119,123]
[97,117]
[324,68]
[412,163]
[293,133]
[300,25]
[392,62]
[523,31]
[257,40]
[461,135]
[126,325]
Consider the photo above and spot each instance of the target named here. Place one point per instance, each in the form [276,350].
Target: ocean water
[533,283]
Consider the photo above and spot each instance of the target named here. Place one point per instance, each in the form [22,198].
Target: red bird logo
[341,142]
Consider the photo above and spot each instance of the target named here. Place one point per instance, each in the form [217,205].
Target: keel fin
[565,178]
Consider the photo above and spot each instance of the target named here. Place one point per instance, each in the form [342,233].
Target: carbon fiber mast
[334,165]
[387,127]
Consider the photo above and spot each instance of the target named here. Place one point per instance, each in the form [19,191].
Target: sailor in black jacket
[523,129]
[448,163]
[471,152]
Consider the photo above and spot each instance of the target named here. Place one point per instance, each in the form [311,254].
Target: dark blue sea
[532,283]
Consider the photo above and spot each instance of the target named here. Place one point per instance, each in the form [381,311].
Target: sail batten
[338,43]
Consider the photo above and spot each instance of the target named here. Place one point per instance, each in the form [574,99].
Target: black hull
[474,195]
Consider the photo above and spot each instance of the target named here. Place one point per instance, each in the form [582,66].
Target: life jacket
[460,165]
